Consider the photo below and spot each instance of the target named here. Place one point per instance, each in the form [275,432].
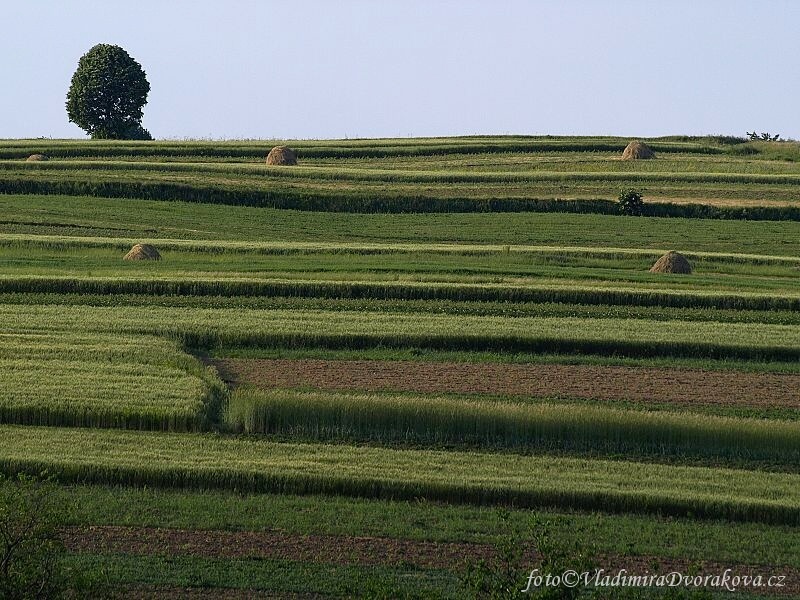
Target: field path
[638,384]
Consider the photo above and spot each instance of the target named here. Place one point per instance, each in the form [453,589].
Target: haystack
[672,262]
[142,252]
[637,150]
[36,157]
[282,155]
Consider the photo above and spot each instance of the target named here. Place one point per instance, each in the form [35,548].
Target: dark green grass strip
[206,461]
[452,307]
[357,202]
[461,422]
[205,340]
[423,354]
[292,198]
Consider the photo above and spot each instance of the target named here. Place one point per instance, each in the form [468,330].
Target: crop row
[498,309]
[300,173]
[340,148]
[579,162]
[391,418]
[411,199]
[199,460]
[392,183]
[293,248]
[205,328]
[86,394]
[79,379]
[587,295]
[469,263]
[782,193]
[720,282]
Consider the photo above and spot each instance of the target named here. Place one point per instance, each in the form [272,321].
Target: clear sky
[370,68]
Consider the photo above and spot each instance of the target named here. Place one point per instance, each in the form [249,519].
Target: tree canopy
[107,94]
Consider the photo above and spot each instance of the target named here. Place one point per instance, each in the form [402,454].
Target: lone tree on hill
[107,94]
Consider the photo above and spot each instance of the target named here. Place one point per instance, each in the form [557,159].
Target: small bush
[631,203]
[31,551]
[29,545]
[506,576]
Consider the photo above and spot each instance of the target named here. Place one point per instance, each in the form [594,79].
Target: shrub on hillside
[631,203]
[31,551]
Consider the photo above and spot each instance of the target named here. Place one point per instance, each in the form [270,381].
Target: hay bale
[142,252]
[282,155]
[637,150]
[37,157]
[672,262]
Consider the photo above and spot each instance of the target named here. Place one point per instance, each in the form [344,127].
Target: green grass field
[472,251]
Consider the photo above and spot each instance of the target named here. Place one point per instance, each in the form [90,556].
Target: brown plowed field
[639,384]
[344,550]
[364,551]
[161,592]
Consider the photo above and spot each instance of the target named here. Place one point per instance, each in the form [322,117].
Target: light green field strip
[490,275]
[51,383]
[215,246]
[573,161]
[151,219]
[729,193]
[427,176]
[392,418]
[259,148]
[699,188]
[303,328]
[492,163]
[205,460]
[97,347]
[62,378]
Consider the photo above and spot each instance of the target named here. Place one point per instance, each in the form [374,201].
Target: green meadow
[477,251]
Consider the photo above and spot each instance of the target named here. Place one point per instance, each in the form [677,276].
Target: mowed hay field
[369,374]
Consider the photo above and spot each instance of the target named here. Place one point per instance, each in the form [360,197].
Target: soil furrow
[344,550]
[161,592]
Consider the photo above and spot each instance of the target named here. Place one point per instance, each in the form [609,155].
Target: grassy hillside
[715,177]
[374,399]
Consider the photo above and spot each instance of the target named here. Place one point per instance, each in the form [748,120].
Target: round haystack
[637,150]
[672,262]
[37,157]
[142,252]
[282,155]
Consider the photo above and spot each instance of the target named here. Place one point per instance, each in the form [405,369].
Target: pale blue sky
[294,69]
